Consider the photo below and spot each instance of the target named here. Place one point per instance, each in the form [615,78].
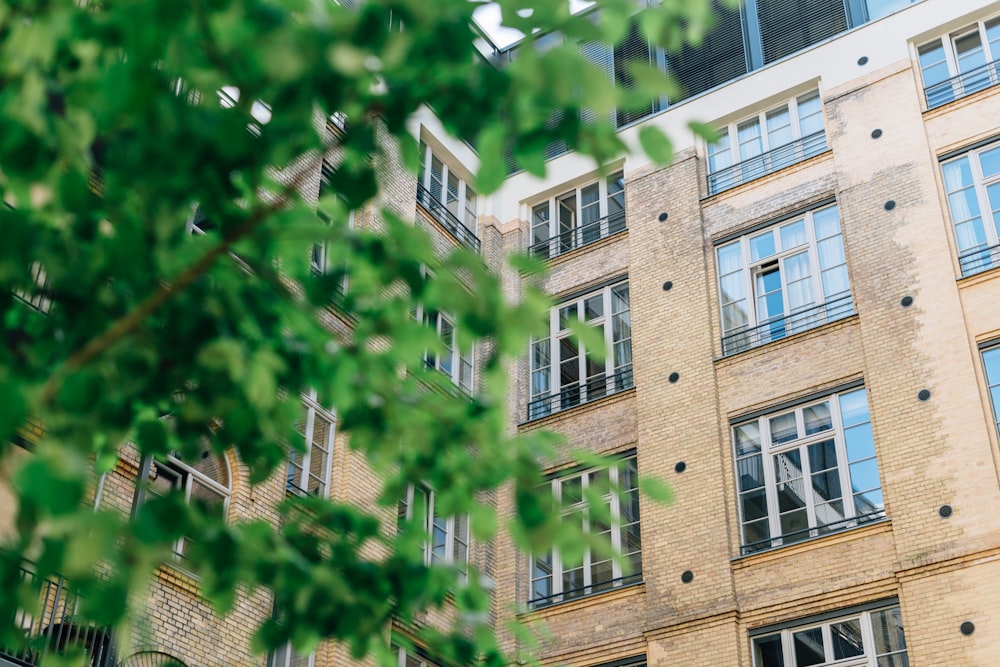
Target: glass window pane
[846,639]
[864,475]
[809,647]
[817,418]
[991,362]
[762,246]
[750,472]
[730,258]
[868,502]
[887,628]
[593,307]
[747,438]
[768,652]
[860,442]
[793,235]
[854,407]
[783,428]
[990,161]
[754,505]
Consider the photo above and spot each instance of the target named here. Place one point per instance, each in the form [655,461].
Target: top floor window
[766,142]
[972,182]
[564,373]
[962,63]
[447,197]
[783,280]
[578,217]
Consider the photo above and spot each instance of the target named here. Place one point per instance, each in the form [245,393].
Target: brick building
[802,339]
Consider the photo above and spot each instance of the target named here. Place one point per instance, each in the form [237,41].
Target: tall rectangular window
[766,142]
[788,26]
[991,363]
[784,280]
[447,197]
[806,471]
[865,638]
[448,542]
[578,217]
[309,471]
[555,579]
[452,361]
[564,373]
[961,63]
[972,183]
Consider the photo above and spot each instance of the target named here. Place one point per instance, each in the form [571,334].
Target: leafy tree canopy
[120,119]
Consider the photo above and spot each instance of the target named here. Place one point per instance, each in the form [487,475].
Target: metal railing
[584,591]
[448,220]
[579,236]
[766,163]
[979,260]
[963,85]
[779,327]
[578,394]
[794,536]
[53,628]
[38,297]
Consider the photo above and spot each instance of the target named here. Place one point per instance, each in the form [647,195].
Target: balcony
[962,85]
[779,327]
[578,237]
[766,163]
[585,591]
[53,630]
[978,260]
[596,387]
[446,218]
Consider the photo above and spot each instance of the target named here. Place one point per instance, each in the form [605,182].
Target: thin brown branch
[128,322]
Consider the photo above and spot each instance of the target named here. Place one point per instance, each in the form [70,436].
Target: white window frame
[984,75]
[869,658]
[768,452]
[287,656]
[455,530]
[460,366]
[986,254]
[992,380]
[551,234]
[460,196]
[548,394]
[745,282]
[403,659]
[319,259]
[555,569]
[300,476]
[187,477]
[725,152]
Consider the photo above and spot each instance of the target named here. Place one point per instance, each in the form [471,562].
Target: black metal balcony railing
[448,220]
[578,394]
[963,85]
[780,327]
[584,591]
[979,260]
[53,630]
[579,236]
[766,163]
[794,536]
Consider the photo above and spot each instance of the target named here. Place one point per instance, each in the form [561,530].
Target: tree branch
[128,322]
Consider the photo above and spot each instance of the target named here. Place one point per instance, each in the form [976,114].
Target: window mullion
[309,431]
[793,118]
[751,297]
[979,183]
[770,483]
[609,346]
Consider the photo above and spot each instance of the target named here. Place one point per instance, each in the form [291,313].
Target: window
[447,197]
[563,372]
[766,142]
[788,278]
[972,183]
[991,362]
[449,535]
[37,297]
[861,639]
[413,659]
[806,471]
[286,656]
[787,27]
[454,362]
[319,256]
[205,482]
[578,217]
[553,580]
[309,471]
[962,63]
